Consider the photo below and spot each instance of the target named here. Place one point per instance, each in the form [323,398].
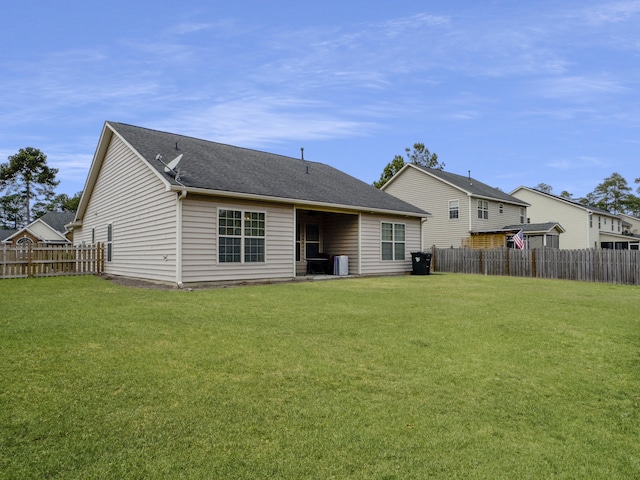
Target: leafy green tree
[59,203]
[589,199]
[11,211]
[544,187]
[612,193]
[27,174]
[565,194]
[419,155]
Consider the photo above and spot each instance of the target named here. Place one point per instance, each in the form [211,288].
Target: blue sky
[518,92]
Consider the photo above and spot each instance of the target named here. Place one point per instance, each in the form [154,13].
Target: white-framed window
[501,208]
[483,209]
[454,209]
[241,236]
[523,215]
[393,241]
[109,242]
[24,241]
[93,236]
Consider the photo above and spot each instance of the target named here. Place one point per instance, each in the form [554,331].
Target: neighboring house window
[298,242]
[109,242]
[24,241]
[93,235]
[393,241]
[240,232]
[483,209]
[590,222]
[501,208]
[522,214]
[599,224]
[454,209]
[618,225]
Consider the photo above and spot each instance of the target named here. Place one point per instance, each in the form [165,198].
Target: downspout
[470,225]
[182,196]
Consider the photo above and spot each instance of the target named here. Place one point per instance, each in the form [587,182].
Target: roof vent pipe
[302,153]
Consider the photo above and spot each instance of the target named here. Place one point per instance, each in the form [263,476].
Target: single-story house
[177,209]
[47,230]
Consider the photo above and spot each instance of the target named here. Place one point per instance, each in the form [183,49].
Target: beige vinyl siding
[510,215]
[574,219]
[341,238]
[143,215]
[433,196]
[371,244]
[200,242]
[45,232]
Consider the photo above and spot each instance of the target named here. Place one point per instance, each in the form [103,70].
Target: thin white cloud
[579,87]
[264,121]
[612,12]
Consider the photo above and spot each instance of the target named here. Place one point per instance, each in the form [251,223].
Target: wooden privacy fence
[50,261]
[595,265]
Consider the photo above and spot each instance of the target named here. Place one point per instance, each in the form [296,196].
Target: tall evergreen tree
[28,175]
[420,155]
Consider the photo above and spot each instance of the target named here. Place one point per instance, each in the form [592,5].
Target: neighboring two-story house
[464,211]
[586,226]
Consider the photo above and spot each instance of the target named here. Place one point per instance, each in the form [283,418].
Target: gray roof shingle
[473,186]
[224,168]
[57,220]
[5,233]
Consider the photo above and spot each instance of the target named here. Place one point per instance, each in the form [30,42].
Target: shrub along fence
[595,265]
[50,260]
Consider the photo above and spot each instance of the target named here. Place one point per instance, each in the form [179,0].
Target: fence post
[507,265]
[534,263]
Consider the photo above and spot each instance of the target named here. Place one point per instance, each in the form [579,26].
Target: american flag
[518,240]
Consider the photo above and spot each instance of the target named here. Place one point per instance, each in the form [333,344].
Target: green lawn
[412,377]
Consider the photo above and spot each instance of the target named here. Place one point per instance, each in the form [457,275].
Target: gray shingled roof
[572,201]
[4,233]
[473,186]
[533,227]
[57,220]
[225,168]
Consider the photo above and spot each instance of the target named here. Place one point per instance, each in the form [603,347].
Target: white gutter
[299,202]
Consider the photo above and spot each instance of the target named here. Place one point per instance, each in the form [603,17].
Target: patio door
[312,240]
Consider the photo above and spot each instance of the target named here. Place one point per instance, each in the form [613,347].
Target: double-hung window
[454,209]
[241,236]
[393,241]
[483,209]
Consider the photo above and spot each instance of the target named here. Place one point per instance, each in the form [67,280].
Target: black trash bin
[421,262]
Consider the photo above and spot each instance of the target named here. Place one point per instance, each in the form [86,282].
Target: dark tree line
[614,195]
[27,189]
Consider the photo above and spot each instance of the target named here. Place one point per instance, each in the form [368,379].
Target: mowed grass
[441,376]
